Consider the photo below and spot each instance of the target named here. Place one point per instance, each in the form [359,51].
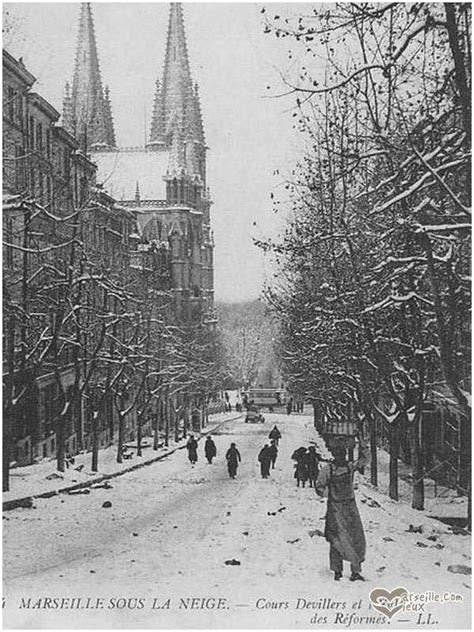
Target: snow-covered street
[172,527]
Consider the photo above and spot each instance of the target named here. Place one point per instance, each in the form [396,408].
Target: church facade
[164,182]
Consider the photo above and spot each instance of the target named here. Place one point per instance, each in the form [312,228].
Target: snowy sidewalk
[42,480]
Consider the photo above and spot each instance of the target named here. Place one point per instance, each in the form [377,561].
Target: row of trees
[83,305]
[373,291]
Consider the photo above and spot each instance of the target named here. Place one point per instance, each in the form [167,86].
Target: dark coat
[210,448]
[233,457]
[312,463]
[273,451]
[264,456]
[301,467]
[274,434]
[191,446]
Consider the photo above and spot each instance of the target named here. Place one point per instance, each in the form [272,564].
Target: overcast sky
[249,134]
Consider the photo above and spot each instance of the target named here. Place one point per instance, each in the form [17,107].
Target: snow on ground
[172,528]
[33,479]
[439,501]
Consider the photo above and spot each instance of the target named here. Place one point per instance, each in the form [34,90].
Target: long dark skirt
[301,472]
[344,530]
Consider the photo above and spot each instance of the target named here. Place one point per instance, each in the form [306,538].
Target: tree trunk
[95,441]
[469,507]
[6,452]
[10,409]
[459,68]
[121,432]
[167,422]
[201,418]
[374,479]
[445,349]
[185,420]
[393,465]
[139,437]
[464,456]
[60,443]
[175,418]
[156,436]
[418,470]
[79,413]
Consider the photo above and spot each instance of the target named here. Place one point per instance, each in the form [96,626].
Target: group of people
[306,465]
[343,526]
[268,454]
[232,456]
[210,450]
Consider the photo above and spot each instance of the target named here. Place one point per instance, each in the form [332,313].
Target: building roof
[18,68]
[45,106]
[119,171]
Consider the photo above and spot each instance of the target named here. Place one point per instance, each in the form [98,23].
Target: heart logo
[388,603]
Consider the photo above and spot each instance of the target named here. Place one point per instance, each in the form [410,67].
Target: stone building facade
[164,181]
[47,180]
[140,215]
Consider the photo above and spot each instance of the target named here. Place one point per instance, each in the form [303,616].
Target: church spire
[88,113]
[109,119]
[176,116]
[67,109]
[172,93]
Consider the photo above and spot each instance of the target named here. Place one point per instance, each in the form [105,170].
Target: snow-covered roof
[119,171]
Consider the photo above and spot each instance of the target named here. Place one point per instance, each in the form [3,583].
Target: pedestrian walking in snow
[275,434]
[289,407]
[233,459]
[312,463]
[301,468]
[273,450]
[210,449]
[264,458]
[191,446]
[344,530]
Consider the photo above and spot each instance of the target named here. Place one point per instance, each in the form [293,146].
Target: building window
[39,137]
[11,103]
[48,142]
[32,132]
[19,166]
[20,109]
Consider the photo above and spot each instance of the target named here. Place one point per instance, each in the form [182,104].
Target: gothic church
[163,182]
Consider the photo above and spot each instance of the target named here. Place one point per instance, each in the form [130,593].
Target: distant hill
[247,333]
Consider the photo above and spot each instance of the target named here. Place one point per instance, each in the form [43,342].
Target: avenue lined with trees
[372,295]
